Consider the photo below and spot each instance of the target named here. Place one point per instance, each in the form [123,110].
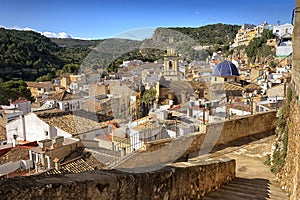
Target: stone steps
[244,189]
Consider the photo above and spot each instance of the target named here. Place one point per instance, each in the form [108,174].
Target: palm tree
[147,99]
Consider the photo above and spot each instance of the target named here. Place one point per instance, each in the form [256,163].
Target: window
[110,129]
[46,133]
[170,65]
[127,133]
[66,106]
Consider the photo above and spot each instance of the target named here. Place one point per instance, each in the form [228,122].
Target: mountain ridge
[29,55]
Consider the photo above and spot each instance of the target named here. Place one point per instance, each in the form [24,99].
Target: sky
[100,19]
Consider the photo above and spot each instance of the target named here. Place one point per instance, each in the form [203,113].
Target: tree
[13,90]
[147,99]
[258,48]
[3,94]
[71,68]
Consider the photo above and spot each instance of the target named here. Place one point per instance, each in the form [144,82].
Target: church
[172,89]
[171,62]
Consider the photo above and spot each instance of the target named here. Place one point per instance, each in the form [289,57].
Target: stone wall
[179,181]
[290,175]
[222,133]
[157,153]
[296,53]
[243,127]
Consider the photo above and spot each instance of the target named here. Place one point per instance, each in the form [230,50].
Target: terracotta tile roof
[252,86]
[63,96]
[226,87]
[38,84]
[14,155]
[76,122]
[20,101]
[74,166]
[2,133]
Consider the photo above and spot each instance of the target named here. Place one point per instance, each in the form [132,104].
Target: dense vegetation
[13,90]
[69,42]
[28,55]
[258,50]
[221,34]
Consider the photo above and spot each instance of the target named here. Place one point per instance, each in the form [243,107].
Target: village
[95,119]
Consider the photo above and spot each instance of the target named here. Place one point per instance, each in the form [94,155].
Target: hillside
[28,55]
[211,34]
[69,42]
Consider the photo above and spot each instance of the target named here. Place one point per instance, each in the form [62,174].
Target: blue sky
[102,19]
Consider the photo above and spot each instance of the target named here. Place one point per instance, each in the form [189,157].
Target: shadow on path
[242,188]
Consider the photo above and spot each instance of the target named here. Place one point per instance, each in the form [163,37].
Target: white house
[65,101]
[46,124]
[284,46]
[280,30]
[31,128]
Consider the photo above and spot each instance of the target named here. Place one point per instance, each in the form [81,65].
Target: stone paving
[254,179]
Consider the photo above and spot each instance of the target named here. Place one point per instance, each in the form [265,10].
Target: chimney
[45,143]
[23,129]
[57,142]
[56,164]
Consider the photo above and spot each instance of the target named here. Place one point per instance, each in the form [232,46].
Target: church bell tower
[171,60]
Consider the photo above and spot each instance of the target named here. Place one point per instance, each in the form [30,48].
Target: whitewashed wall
[35,129]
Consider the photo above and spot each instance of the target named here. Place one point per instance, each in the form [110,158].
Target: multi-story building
[250,31]
[38,89]
[280,30]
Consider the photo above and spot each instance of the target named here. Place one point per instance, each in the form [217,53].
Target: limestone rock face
[289,177]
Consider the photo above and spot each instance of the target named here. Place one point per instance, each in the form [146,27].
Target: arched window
[170,65]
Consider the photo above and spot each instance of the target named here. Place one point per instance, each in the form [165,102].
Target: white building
[284,46]
[47,124]
[31,128]
[280,30]
[65,101]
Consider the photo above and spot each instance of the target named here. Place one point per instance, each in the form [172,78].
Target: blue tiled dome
[225,68]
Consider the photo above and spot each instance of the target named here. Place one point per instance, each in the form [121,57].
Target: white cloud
[47,33]
[56,35]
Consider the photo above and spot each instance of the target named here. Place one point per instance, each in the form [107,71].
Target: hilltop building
[280,30]
[250,31]
[171,64]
